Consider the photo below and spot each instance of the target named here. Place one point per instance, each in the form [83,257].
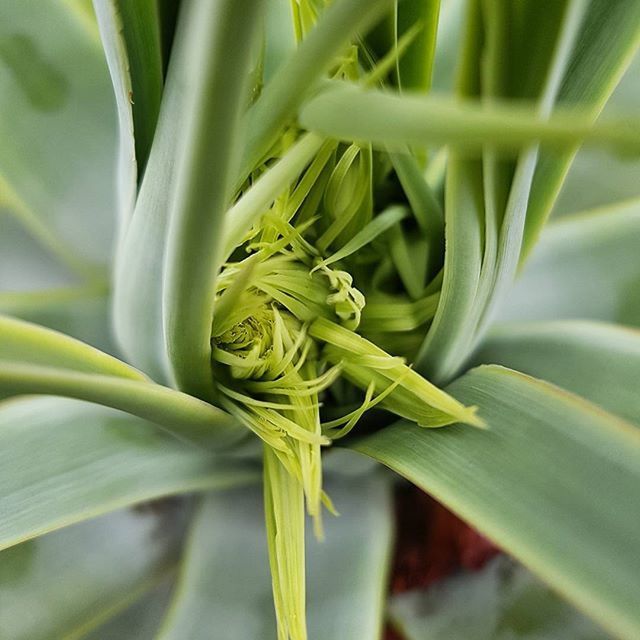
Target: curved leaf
[180,414]
[63,584]
[597,178]
[600,362]
[553,481]
[137,296]
[132,41]
[221,41]
[585,266]
[35,360]
[493,191]
[115,49]
[29,343]
[63,461]
[608,40]
[80,312]
[464,259]
[448,36]
[225,582]
[55,103]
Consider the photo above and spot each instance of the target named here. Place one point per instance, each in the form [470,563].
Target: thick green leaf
[506,190]
[65,583]
[57,129]
[464,263]
[600,362]
[486,200]
[553,481]
[221,41]
[225,584]
[607,42]
[137,295]
[35,360]
[63,461]
[585,266]
[503,601]
[347,573]
[347,112]
[182,415]
[29,343]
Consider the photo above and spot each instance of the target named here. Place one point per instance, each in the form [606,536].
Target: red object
[390,634]
[432,543]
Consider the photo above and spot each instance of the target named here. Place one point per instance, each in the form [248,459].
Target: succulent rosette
[264,262]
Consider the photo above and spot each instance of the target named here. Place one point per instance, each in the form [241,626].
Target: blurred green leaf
[555,40]
[29,343]
[608,40]
[57,130]
[553,481]
[141,620]
[63,461]
[450,24]
[600,362]
[224,587]
[279,39]
[585,266]
[345,111]
[25,265]
[416,65]
[502,601]
[115,49]
[81,312]
[225,584]
[597,178]
[65,583]
[357,548]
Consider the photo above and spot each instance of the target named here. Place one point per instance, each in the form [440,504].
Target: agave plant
[283,265]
